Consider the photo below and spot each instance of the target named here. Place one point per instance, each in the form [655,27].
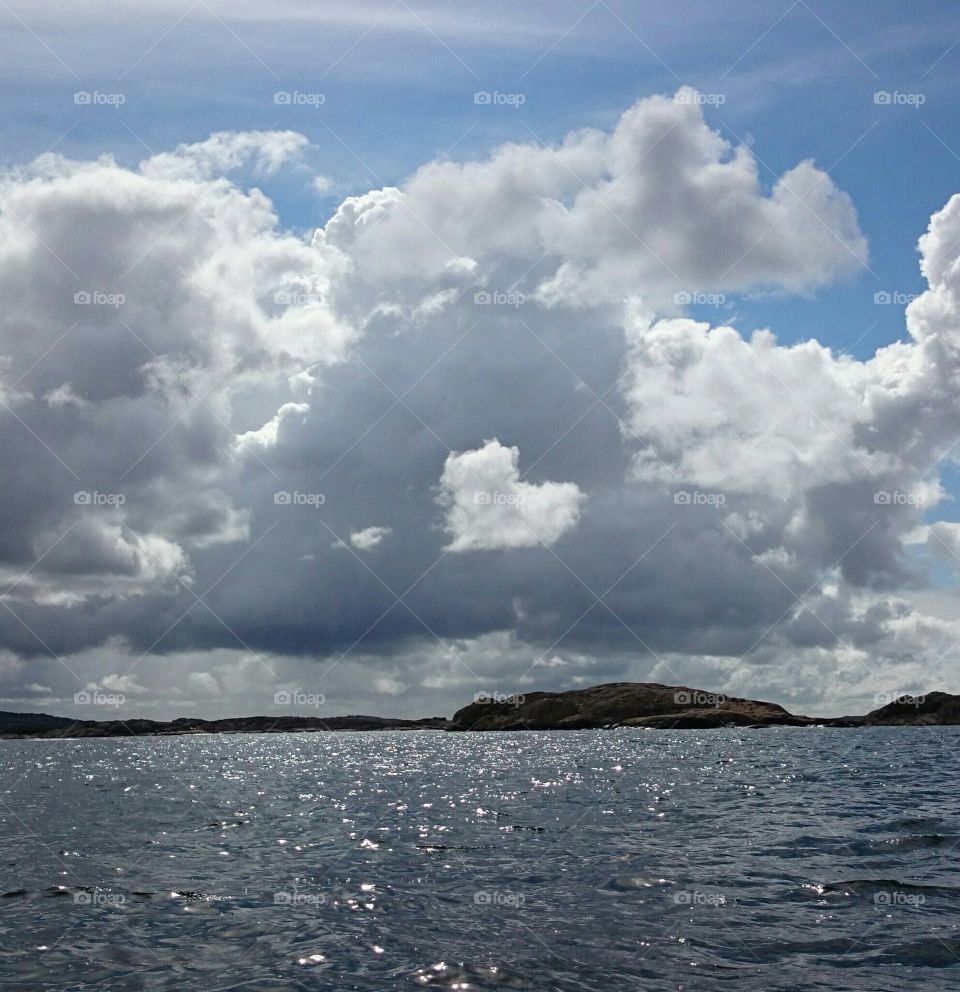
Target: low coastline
[641,705]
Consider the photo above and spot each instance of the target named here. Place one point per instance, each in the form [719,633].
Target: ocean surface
[730,859]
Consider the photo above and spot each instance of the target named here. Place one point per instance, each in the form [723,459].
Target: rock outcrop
[933,709]
[651,705]
[624,704]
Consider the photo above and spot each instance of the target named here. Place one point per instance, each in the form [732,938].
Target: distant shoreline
[42,726]
[644,705]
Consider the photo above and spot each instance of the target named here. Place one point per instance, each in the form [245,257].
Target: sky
[363,357]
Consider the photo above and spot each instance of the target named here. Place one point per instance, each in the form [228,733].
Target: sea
[767,859]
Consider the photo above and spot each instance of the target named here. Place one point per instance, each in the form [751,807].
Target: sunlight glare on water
[774,859]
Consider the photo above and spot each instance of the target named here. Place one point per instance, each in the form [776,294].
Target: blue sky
[398,83]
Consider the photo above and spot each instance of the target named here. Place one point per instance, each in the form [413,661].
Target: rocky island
[642,705]
[651,705]
[621,704]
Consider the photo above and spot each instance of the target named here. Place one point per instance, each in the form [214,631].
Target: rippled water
[774,859]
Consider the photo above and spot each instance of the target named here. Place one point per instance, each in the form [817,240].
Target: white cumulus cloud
[488,506]
[369,538]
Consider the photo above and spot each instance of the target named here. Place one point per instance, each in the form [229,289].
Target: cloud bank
[464,436]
